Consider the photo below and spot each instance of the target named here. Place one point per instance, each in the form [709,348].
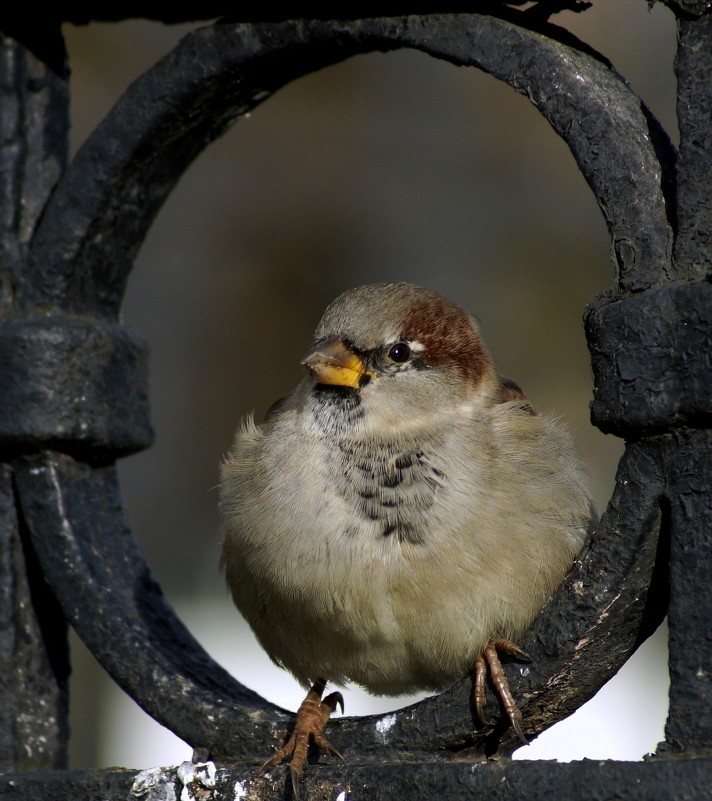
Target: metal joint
[77,385]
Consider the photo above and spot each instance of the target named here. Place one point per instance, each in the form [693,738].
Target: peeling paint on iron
[384,726]
[201,774]
[154,784]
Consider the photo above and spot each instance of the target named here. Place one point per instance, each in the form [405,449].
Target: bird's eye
[400,352]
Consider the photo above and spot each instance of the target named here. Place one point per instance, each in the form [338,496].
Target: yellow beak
[331,362]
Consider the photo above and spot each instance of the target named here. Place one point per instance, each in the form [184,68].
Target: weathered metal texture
[101,579]
[81,256]
[74,384]
[693,67]
[667,333]
[105,588]
[652,359]
[127,167]
[689,470]
[618,145]
[648,342]
[33,154]
[689,8]
[679,779]
[33,650]
[34,664]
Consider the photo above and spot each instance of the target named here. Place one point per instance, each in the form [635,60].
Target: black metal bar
[75,384]
[693,66]
[689,726]
[679,779]
[34,663]
[669,330]
[689,466]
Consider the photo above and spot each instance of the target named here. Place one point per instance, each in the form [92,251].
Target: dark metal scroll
[649,338]
[80,259]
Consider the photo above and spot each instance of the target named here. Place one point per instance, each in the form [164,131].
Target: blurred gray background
[386,167]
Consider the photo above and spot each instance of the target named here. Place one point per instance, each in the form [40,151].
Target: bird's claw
[489,661]
[312,717]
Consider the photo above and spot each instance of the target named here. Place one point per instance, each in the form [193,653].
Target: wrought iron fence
[73,399]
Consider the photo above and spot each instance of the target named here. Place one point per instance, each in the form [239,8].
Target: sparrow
[399,519]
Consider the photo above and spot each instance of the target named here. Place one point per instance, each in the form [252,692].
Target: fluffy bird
[401,517]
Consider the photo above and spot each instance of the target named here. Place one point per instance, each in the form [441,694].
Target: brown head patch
[448,337]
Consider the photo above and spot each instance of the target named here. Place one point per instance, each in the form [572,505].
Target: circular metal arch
[81,256]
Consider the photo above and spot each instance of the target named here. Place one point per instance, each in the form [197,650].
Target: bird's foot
[489,661]
[312,717]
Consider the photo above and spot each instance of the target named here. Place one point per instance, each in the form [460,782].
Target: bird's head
[403,355]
